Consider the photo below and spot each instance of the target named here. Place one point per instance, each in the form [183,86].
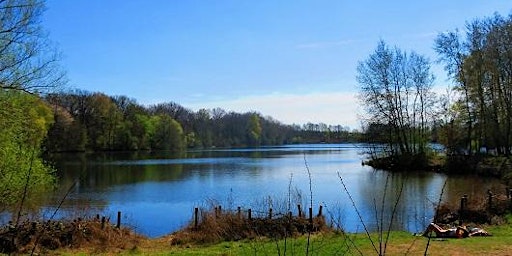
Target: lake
[157,192]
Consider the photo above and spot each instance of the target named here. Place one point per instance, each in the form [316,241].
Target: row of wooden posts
[490,201]
[490,196]
[218,210]
[218,213]
[104,220]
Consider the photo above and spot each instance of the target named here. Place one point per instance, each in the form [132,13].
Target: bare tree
[28,61]
[396,90]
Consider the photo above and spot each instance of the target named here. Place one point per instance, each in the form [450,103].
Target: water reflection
[406,198]
[157,191]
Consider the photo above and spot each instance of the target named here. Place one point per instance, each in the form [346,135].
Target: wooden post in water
[196,217]
[270,213]
[320,211]
[300,211]
[103,222]
[489,199]
[118,219]
[463,206]
[510,194]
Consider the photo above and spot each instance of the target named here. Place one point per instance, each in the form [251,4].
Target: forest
[85,121]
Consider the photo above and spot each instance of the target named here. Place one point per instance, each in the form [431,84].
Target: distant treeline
[85,121]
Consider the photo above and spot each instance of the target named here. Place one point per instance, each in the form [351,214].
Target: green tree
[25,122]
[103,120]
[168,134]
[131,132]
[254,130]
[28,65]
[202,134]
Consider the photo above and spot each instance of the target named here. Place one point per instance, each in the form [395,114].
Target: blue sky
[294,60]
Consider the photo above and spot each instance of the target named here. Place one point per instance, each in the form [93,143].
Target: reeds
[215,226]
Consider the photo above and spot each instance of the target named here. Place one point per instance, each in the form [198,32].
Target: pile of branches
[36,237]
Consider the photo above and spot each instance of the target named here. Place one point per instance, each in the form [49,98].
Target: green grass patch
[334,243]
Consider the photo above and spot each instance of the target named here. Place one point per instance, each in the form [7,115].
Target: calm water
[157,192]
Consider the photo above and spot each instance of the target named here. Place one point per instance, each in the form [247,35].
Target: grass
[400,243]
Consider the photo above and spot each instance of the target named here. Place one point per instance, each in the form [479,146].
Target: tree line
[86,121]
[480,63]
[474,117]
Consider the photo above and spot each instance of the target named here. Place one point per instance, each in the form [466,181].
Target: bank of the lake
[94,236]
[158,191]
[399,243]
[499,167]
